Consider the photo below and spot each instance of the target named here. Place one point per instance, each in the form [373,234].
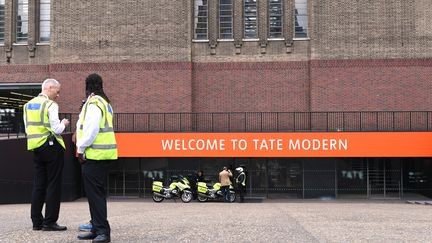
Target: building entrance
[384,178]
[302,178]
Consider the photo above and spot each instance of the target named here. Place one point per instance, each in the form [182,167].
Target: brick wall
[374,85]
[350,29]
[132,87]
[231,87]
[362,55]
[120,31]
[336,85]
[23,73]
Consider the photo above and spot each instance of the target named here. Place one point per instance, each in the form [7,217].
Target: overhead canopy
[14,95]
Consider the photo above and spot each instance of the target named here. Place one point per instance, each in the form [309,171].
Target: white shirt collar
[42,94]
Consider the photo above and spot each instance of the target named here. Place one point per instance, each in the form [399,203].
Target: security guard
[96,148]
[241,182]
[43,129]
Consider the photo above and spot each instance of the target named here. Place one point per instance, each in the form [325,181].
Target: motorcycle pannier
[157,186]
[202,187]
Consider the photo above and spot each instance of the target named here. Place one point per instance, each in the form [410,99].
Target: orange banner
[335,144]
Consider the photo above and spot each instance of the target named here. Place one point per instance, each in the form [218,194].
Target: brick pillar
[32,22]
[9,29]
[238,25]
[263,24]
[213,30]
[288,24]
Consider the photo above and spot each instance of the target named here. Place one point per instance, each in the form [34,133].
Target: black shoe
[102,238]
[54,227]
[87,236]
[37,227]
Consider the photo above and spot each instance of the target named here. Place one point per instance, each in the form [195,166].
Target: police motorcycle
[178,188]
[205,193]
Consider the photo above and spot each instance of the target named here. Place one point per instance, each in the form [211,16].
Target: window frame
[39,20]
[195,21]
[281,18]
[2,40]
[306,16]
[16,22]
[231,35]
[245,37]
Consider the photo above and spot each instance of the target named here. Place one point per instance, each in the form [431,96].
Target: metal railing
[388,121]
[11,124]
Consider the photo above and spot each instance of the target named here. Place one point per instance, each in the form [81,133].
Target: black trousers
[225,192]
[94,175]
[241,190]
[48,167]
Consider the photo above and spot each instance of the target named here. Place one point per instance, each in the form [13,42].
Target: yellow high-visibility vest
[104,147]
[37,123]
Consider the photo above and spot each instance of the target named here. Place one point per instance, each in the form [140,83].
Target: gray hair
[49,82]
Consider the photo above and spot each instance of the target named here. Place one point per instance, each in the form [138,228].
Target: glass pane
[275,19]
[225,19]
[44,21]
[22,21]
[201,18]
[2,20]
[250,19]
[301,18]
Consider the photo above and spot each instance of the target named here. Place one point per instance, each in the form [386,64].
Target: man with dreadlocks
[96,146]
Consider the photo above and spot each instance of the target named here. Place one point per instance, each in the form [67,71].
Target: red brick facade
[163,87]
[358,56]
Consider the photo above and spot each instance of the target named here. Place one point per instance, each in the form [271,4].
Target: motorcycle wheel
[202,198]
[157,198]
[232,197]
[186,196]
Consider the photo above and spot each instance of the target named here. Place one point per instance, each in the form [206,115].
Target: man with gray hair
[43,128]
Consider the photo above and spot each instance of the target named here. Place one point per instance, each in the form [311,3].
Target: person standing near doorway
[96,148]
[241,182]
[43,128]
[224,179]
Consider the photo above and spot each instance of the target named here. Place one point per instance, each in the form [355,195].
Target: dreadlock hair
[94,85]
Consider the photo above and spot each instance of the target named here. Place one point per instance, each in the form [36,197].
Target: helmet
[239,169]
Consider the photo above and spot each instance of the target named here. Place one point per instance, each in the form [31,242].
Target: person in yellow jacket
[96,147]
[43,128]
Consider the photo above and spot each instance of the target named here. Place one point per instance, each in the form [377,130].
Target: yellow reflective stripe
[105,129]
[103,146]
[106,112]
[39,135]
[38,124]
[43,111]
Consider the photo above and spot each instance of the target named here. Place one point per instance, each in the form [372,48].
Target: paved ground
[269,221]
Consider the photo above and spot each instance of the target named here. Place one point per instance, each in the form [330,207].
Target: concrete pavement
[142,220]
